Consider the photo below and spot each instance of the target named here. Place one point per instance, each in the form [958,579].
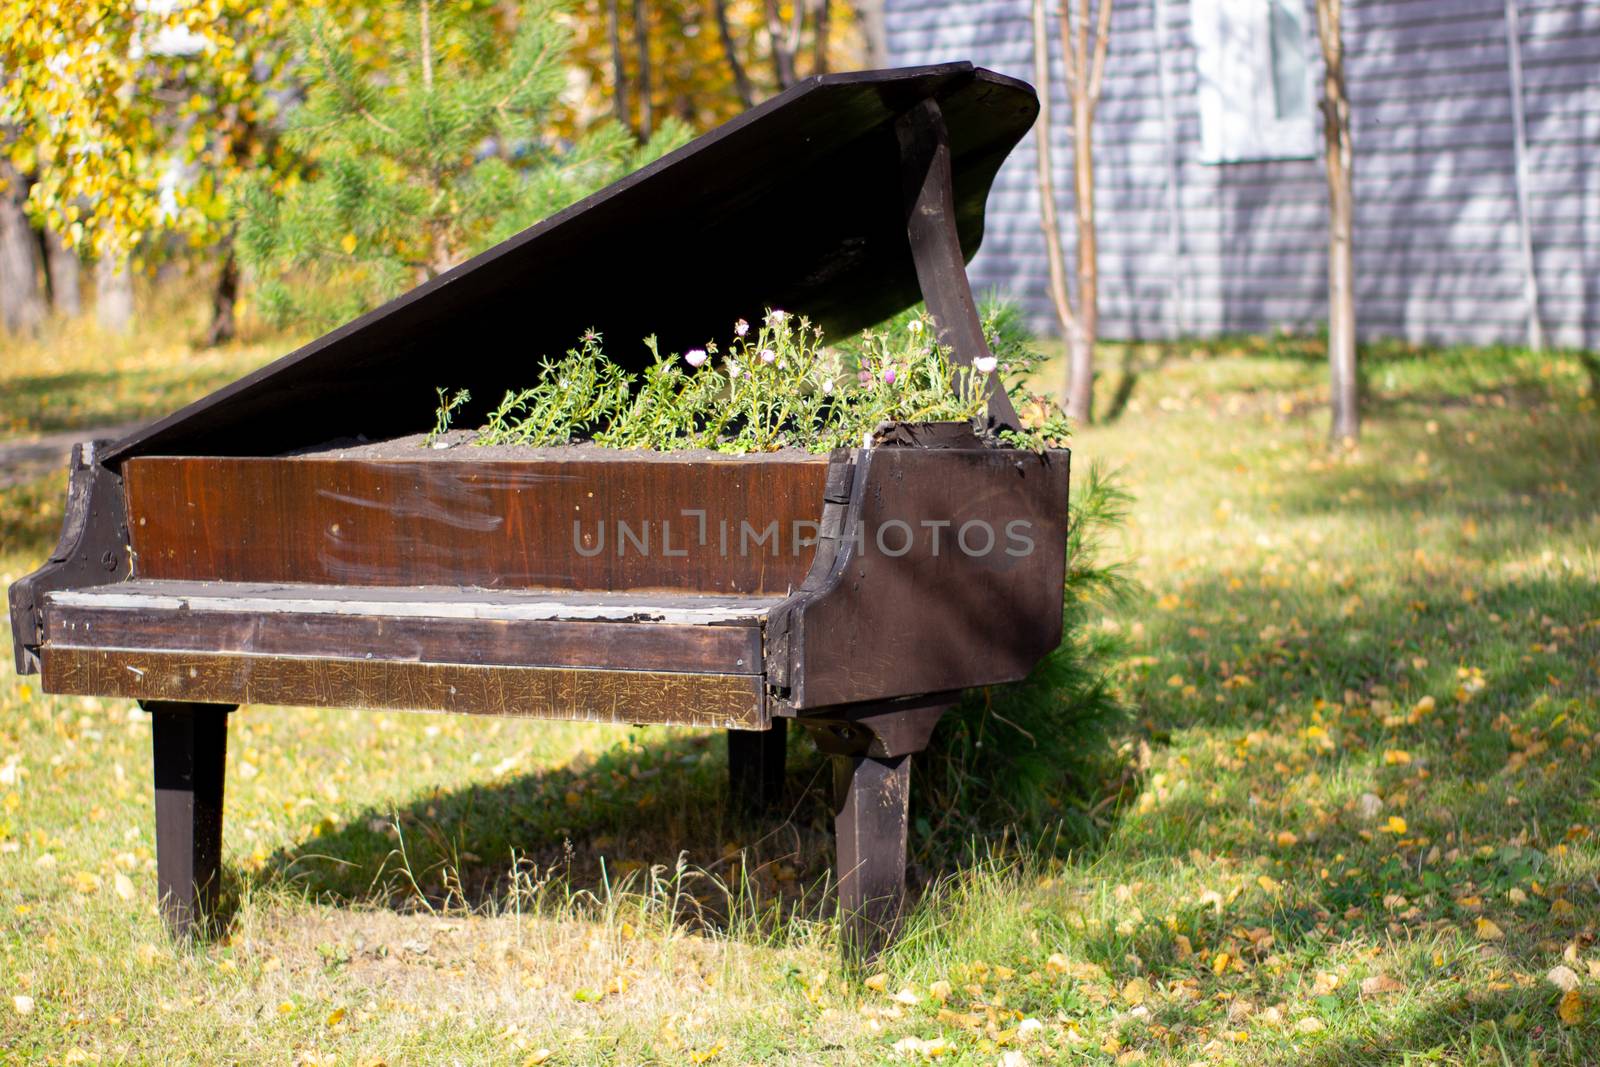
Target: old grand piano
[226,554]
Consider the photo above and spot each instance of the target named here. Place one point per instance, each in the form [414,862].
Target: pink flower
[776,317]
[734,370]
[864,377]
[768,356]
[985,364]
[695,357]
[741,327]
[888,376]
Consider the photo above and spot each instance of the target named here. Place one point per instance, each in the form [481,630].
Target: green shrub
[776,386]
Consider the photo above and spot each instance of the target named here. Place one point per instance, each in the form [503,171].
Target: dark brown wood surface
[500,524]
[488,642]
[92,550]
[189,746]
[895,605]
[932,228]
[617,696]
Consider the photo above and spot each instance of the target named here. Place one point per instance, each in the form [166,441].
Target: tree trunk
[1080,390]
[1345,392]
[113,293]
[1084,59]
[1060,298]
[224,300]
[22,308]
[820,52]
[619,70]
[62,272]
[870,15]
[782,58]
[741,80]
[641,39]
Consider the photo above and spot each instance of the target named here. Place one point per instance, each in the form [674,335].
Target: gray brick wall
[1437,252]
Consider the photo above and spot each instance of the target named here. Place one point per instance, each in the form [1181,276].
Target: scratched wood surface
[944,571]
[614,696]
[541,643]
[738,526]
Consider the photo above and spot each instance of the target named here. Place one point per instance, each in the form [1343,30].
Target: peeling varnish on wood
[418,601]
[610,696]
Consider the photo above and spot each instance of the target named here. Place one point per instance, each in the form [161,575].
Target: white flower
[827,386]
[734,370]
[776,317]
[741,327]
[768,355]
[915,325]
[695,357]
[985,364]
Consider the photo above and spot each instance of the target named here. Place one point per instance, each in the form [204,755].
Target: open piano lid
[795,204]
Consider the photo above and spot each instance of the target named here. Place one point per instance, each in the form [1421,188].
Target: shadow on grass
[51,403]
[648,818]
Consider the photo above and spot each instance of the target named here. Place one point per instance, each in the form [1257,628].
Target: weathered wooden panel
[697,526]
[710,700]
[943,571]
[488,642]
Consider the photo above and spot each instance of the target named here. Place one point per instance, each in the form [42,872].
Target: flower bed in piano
[773,385]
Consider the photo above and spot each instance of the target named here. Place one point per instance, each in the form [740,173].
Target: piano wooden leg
[755,769]
[190,744]
[871,804]
[872,748]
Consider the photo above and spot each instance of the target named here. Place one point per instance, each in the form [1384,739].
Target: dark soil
[456,446]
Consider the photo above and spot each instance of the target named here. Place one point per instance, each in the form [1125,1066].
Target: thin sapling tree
[1083,54]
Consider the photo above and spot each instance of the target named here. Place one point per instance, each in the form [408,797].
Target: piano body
[230,554]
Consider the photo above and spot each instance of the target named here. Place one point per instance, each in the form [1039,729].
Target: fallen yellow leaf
[1136,991]
[1396,756]
[1268,883]
[335,1017]
[123,885]
[536,1057]
[706,1055]
[1488,931]
[1381,985]
[1310,1025]
[1395,825]
[1286,839]
[1220,962]
[878,982]
[939,990]
[348,243]
[1570,1010]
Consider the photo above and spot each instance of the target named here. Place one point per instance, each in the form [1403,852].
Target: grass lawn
[1353,819]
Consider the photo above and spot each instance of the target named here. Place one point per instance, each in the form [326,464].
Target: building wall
[1437,237]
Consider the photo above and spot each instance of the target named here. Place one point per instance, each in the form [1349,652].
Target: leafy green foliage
[448,403]
[574,394]
[777,387]
[423,157]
